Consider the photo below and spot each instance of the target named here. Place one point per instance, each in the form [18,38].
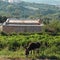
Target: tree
[3,19]
[53,27]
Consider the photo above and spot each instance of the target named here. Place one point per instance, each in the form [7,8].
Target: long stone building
[21,26]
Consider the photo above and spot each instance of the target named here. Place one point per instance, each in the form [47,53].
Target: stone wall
[22,29]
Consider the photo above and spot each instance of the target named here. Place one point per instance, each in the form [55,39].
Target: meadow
[13,45]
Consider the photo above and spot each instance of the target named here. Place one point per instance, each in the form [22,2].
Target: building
[0,27]
[21,26]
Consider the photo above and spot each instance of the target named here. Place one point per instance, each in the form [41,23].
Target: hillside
[27,10]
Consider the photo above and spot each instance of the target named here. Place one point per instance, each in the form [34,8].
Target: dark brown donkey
[32,46]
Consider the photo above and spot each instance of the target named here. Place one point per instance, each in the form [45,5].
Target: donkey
[32,46]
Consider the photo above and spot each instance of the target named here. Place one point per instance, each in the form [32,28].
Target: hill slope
[26,10]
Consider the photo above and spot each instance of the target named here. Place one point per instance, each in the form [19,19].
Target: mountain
[27,10]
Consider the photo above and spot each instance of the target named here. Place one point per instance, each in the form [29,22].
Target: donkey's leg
[34,52]
[37,52]
[31,53]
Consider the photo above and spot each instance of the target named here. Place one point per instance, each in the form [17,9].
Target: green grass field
[13,45]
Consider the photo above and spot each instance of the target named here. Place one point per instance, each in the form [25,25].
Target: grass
[21,54]
[12,54]
[53,51]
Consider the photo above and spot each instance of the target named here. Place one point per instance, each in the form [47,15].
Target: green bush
[4,34]
[14,45]
[3,44]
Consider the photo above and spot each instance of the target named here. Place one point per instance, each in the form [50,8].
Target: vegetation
[53,27]
[15,45]
[29,10]
[3,19]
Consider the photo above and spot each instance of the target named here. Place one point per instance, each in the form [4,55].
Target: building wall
[0,28]
[22,29]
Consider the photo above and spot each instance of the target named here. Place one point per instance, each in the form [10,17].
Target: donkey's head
[26,52]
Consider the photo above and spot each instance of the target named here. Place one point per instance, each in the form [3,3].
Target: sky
[54,2]
[42,0]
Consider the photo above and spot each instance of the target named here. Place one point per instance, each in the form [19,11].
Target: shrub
[14,45]
[4,34]
[2,44]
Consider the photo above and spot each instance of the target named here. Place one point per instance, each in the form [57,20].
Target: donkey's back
[34,45]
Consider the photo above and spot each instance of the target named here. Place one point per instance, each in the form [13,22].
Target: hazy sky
[41,0]
[45,1]
[53,2]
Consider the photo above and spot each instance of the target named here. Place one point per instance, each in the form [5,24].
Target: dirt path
[14,59]
[21,59]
